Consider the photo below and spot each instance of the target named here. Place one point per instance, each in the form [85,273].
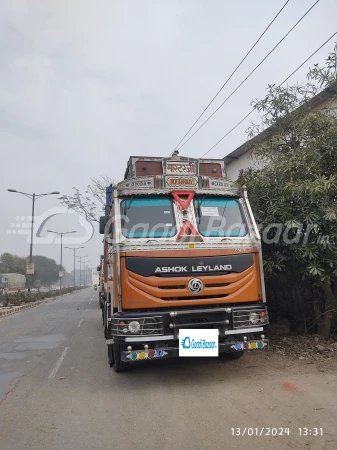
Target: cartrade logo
[198,342]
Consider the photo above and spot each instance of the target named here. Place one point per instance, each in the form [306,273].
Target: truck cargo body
[12,282]
[182,251]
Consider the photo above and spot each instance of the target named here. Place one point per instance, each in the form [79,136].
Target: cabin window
[219,217]
[148,217]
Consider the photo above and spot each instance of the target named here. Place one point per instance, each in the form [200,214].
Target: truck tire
[110,355]
[118,365]
[235,355]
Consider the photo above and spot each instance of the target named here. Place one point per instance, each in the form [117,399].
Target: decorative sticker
[181,182]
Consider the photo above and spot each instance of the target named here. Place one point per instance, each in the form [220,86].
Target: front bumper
[173,352]
[165,324]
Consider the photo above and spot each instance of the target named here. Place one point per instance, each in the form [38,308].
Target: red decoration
[187,224]
[184,203]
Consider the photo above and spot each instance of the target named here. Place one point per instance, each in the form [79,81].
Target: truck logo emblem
[195,286]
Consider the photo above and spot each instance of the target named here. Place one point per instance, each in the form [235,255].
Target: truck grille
[153,326]
[241,318]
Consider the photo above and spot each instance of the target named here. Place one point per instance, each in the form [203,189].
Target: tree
[12,264]
[37,284]
[45,270]
[297,186]
[91,203]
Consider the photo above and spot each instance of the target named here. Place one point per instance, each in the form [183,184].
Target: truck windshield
[148,217]
[218,216]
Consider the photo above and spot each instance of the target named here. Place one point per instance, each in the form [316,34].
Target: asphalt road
[57,392]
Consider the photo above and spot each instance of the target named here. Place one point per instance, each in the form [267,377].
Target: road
[57,392]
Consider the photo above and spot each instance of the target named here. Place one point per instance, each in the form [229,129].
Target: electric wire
[292,73]
[249,75]
[234,71]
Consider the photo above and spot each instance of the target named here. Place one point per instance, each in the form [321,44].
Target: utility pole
[74,250]
[61,234]
[33,197]
[80,258]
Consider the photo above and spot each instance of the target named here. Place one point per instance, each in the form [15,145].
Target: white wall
[244,161]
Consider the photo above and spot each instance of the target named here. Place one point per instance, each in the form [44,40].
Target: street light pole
[33,197]
[80,258]
[61,262]
[61,234]
[31,243]
[74,250]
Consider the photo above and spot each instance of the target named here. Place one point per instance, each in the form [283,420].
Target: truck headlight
[254,318]
[134,327]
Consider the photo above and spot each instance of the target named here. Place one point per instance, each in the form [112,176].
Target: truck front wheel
[235,355]
[118,365]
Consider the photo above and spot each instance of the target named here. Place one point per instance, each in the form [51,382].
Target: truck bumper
[172,352]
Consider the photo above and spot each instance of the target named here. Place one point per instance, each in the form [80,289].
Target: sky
[85,84]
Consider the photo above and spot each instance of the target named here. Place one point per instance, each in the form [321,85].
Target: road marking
[81,321]
[59,362]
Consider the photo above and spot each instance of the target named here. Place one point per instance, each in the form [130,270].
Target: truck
[95,279]
[182,257]
[101,290]
[12,282]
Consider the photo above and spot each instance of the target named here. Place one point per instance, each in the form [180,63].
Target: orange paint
[288,386]
[156,292]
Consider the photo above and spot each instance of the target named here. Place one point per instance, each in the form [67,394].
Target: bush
[20,298]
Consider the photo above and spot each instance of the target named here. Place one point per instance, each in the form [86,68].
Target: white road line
[81,321]
[59,362]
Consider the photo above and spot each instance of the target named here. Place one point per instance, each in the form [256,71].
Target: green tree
[297,185]
[45,270]
[12,264]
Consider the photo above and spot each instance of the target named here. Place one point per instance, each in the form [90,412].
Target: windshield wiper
[199,208]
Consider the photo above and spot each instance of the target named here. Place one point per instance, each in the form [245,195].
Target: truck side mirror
[98,268]
[103,220]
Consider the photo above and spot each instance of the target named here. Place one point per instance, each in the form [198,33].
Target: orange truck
[182,261]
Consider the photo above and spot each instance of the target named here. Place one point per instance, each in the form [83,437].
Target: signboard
[180,167]
[30,269]
[61,274]
[220,183]
[140,183]
[181,182]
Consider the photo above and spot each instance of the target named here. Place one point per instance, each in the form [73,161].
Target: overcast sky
[84,84]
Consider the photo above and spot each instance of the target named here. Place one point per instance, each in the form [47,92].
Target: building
[241,157]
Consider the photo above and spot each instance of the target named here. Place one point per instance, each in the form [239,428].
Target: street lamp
[62,233]
[33,197]
[86,272]
[80,258]
[74,250]
[87,268]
